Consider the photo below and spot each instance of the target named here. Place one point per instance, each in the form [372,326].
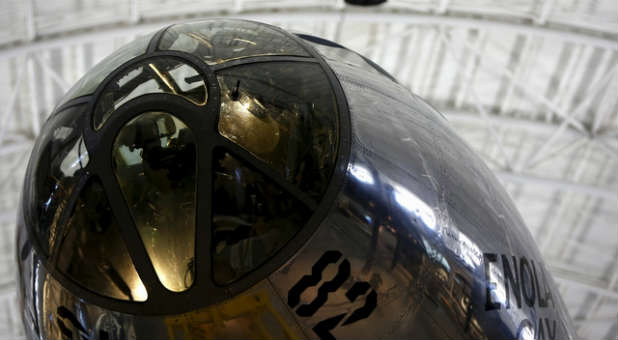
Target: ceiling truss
[550,137]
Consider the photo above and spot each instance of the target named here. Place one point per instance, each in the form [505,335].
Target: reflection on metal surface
[428,227]
[252,219]
[421,211]
[154,163]
[250,315]
[63,316]
[217,41]
[361,173]
[257,313]
[155,75]
[408,236]
[92,252]
[286,117]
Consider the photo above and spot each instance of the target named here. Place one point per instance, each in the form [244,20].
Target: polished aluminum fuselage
[427,224]
[421,242]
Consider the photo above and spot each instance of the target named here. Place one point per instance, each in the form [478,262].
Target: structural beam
[533,126]
[604,320]
[544,13]
[577,280]
[293,16]
[557,184]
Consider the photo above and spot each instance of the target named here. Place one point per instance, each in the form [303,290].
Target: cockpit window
[285,114]
[92,252]
[217,41]
[89,82]
[58,160]
[154,159]
[155,75]
[252,218]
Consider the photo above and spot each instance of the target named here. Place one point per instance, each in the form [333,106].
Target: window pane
[89,82]
[58,160]
[156,75]
[335,53]
[92,252]
[252,218]
[221,40]
[286,115]
[155,163]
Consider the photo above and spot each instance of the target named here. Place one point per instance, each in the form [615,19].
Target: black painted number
[323,328]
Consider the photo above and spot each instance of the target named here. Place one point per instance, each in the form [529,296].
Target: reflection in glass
[156,75]
[334,52]
[254,314]
[89,82]
[252,218]
[285,114]
[76,159]
[155,163]
[221,40]
[58,159]
[92,252]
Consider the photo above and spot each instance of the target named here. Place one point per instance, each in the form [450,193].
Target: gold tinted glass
[285,114]
[154,159]
[155,75]
[92,252]
[252,218]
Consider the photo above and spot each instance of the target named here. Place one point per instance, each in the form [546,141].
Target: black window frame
[202,120]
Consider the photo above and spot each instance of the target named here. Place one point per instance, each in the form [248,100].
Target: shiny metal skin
[412,238]
[424,221]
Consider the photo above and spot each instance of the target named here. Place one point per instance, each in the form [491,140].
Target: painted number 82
[323,328]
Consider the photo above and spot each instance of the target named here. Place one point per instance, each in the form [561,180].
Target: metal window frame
[100,143]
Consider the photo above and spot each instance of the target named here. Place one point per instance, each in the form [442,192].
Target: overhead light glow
[416,206]
[361,173]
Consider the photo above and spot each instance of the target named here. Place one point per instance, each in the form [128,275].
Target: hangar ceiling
[530,85]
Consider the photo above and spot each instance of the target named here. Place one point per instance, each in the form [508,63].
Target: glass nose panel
[89,82]
[154,75]
[93,253]
[252,219]
[59,158]
[154,159]
[217,41]
[286,115]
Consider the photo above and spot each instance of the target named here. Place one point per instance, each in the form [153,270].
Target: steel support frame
[457,21]
[557,184]
[492,130]
[577,280]
[581,107]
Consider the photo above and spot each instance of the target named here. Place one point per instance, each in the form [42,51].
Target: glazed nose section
[213,145]
[286,118]
[154,158]
[262,163]
[153,75]
[180,173]
[275,162]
